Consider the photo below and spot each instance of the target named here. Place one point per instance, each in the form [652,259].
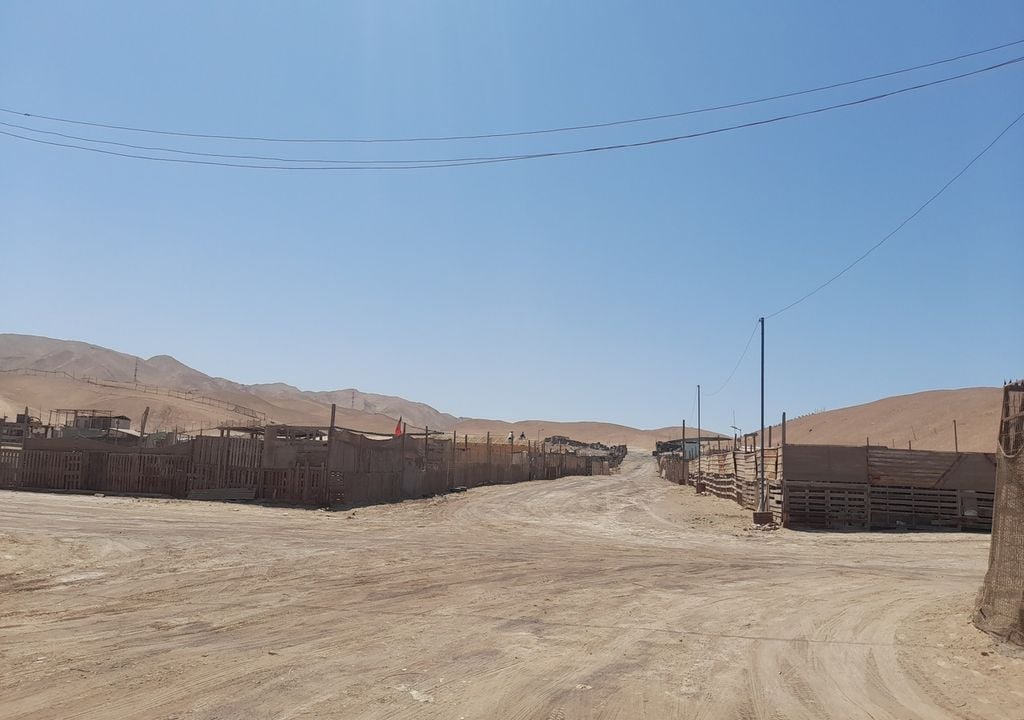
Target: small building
[24,426]
[677,446]
[103,422]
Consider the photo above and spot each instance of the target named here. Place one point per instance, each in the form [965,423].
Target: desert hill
[416,414]
[924,419]
[608,433]
[113,388]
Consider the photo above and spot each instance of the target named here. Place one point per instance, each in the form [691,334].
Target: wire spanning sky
[593,286]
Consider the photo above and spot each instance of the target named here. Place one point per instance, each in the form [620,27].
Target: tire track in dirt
[620,596]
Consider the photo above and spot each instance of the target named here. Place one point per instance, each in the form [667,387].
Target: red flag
[398,427]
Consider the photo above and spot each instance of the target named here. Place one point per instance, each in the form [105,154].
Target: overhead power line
[870,250]
[738,361]
[520,133]
[422,164]
[899,227]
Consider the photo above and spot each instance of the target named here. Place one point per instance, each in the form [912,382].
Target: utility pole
[330,435]
[762,516]
[451,462]
[698,431]
[761,502]
[956,442]
[142,427]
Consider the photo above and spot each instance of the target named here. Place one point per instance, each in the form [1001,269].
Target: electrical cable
[899,227]
[520,133]
[485,160]
[870,250]
[737,365]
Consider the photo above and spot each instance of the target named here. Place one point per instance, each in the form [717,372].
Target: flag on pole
[398,427]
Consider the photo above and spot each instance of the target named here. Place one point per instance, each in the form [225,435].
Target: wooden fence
[831,486]
[841,487]
[729,474]
[346,469]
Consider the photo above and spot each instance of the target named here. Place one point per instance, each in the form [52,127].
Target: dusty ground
[612,597]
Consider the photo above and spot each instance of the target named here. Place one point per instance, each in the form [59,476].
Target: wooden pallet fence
[976,509]
[303,485]
[299,468]
[10,466]
[913,507]
[51,469]
[826,505]
[674,468]
[863,506]
[145,473]
[225,462]
[776,503]
[723,487]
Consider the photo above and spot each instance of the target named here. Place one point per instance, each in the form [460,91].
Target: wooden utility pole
[698,431]
[451,462]
[762,515]
[956,441]
[330,434]
[760,501]
[142,425]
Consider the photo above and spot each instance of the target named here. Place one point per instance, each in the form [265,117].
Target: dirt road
[605,597]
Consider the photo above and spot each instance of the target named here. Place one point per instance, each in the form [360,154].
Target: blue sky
[603,286]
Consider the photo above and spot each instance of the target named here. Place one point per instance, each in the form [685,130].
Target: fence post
[330,430]
[451,463]
[330,449]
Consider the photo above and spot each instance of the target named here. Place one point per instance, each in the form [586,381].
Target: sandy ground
[606,597]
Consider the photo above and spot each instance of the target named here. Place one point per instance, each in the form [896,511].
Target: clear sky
[601,286]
